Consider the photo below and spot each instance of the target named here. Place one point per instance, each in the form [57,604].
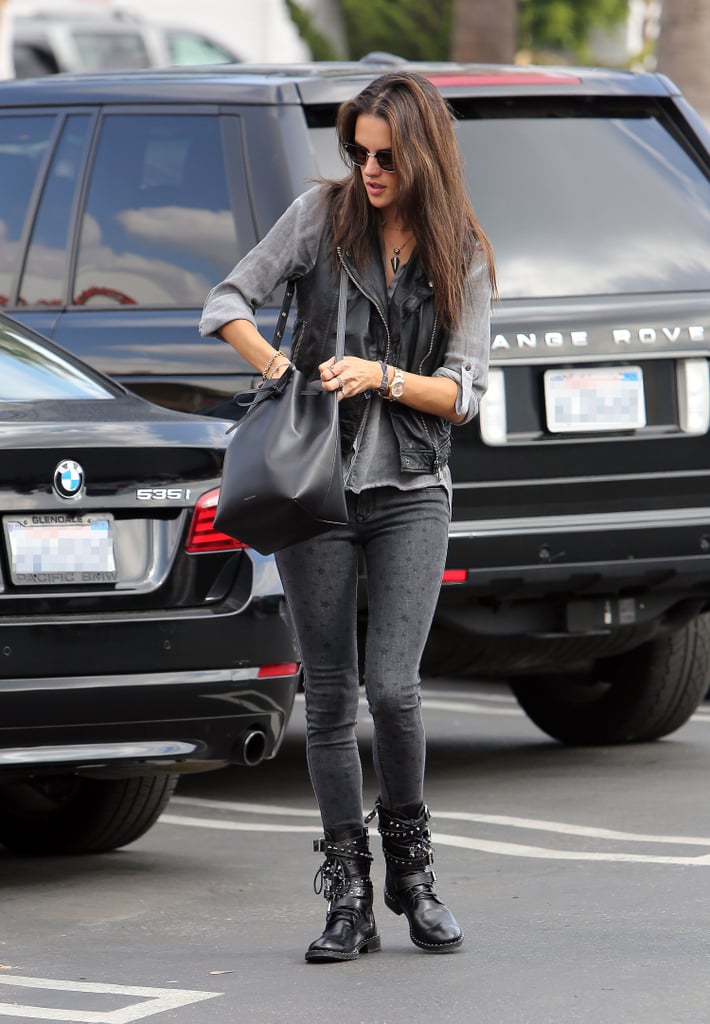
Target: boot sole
[428,947]
[324,956]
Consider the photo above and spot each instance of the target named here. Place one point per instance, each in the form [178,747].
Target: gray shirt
[290,250]
[373,460]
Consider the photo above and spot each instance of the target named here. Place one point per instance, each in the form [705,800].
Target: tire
[68,814]
[641,695]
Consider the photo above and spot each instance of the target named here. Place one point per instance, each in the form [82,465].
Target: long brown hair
[433,199]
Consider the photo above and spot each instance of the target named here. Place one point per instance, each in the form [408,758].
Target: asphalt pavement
[579,875]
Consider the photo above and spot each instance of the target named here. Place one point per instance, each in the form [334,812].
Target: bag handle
[342,310]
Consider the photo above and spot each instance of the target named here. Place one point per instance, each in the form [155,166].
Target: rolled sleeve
[466,360]
[288,250]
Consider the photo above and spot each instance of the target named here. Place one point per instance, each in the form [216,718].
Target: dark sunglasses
[359,155]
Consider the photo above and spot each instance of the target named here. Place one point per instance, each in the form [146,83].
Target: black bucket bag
[282,478]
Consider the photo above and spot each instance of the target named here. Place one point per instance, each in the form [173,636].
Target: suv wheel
[642,695]
[69,814]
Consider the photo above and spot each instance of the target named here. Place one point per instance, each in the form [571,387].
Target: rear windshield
[581,205]
[31,372]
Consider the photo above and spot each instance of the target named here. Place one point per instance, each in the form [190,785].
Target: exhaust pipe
[250,749]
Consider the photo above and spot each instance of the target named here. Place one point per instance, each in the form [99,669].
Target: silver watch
[397,386]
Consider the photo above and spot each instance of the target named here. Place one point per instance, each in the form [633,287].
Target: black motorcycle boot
[344,881]
[410,878]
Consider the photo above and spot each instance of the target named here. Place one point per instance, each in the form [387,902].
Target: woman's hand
[350,376]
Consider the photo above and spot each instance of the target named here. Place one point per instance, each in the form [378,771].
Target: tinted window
[158,228]
[23,145]
[325,153]
[30,372]
[581,205]
[585,206]
[45,272]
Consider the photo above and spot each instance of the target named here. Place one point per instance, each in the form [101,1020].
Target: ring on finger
[341,386]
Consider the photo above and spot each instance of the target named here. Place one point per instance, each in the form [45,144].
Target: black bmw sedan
[136,642]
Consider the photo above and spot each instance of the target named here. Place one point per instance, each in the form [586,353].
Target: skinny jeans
[403,538]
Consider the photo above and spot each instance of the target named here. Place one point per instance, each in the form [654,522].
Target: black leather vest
[402,330]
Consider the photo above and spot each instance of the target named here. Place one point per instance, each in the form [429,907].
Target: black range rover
[579,562]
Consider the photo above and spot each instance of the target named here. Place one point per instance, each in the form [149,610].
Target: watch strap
[385,383]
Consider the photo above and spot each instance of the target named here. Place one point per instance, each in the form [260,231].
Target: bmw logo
[68,479]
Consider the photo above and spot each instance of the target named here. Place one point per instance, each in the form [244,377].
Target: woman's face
[373,134]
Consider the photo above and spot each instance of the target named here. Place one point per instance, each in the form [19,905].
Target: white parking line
[468,708]
[490,704]
[480,704]
[493,698]
[541,853]
[573,830]
[244,808]
[230,826]
[480,845]
[536,824]
[155,1000]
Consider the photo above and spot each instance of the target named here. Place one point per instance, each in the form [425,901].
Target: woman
[420,280]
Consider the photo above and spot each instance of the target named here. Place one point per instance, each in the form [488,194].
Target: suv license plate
[58,549]
[594,399]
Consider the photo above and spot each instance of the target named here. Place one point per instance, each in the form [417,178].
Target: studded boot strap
[345,870]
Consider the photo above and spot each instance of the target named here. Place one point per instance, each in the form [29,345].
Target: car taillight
[284,668]
[454,576]
[502,78]
[203,536]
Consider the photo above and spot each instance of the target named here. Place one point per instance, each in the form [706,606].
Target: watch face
[397,387]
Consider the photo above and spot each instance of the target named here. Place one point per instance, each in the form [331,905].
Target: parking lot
[578,875]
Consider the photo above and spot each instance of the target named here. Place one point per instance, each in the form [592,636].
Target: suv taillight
[202,535]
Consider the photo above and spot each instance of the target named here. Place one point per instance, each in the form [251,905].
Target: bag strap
[283,315]
[342,309]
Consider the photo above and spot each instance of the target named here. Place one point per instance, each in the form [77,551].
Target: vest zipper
[366,408]
[438,469]
[369,298]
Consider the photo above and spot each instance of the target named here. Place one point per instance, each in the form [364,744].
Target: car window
[102,51]
[30,372]
[588,206]
[43,280]
[157,229]
[32,61]
[580,205]
[188,48]
[24,142]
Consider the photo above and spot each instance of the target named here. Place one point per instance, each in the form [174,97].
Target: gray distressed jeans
[403,536]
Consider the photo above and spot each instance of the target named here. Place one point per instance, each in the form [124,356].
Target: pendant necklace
[394,258]
[396,250]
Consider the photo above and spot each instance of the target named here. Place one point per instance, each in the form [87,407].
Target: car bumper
[37,646]
[567,574]
[177,721]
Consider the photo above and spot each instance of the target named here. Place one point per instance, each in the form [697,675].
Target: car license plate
[595,399]
[60,549]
